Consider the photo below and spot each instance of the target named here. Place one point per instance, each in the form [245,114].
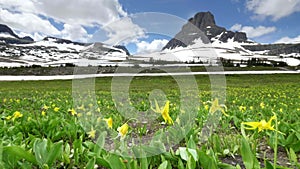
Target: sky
[147,25]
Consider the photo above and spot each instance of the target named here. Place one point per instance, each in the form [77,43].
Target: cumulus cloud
[27,22]
[123,30]
[288,40]
[154,46]
[253,32]
[75,32]
[72,15]
[276,9]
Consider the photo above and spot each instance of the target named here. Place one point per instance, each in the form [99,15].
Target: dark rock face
[240,37]
[203,26]
[6,29]
[275,49]
[28,38]
[122,48]
[16,40]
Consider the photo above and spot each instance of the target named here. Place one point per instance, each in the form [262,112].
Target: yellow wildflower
[43,113]
[72,111]
[56,109]
[92,134]
[242,108]
[262,105]
[8,117]
[164,111]
[123,130]
[215,106]
[45,107]
[261,125]
[157,108]
[109,122]
[17,114]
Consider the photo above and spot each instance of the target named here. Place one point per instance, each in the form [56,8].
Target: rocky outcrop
[203,26]
[274,49]
[122,48]
[5,29]
[14,39]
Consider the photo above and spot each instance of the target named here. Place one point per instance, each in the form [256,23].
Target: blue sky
[122,21]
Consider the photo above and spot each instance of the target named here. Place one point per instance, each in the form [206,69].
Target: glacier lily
[215,106]
[109,122]
[164,112]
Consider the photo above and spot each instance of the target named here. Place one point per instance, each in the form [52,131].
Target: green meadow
[45,124]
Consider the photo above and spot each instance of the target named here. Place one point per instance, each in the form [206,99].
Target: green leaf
[102,162]
[191,143]
[54,153]
[206,161]
[101,140]
[91,164]
[249,159]
[293,156]
[144,163]
[191,164]
[268,165]
[183,153]
[40,151]
[180,164]
[163,165]
[115,162]
[193,153]
[20,153]
[225,166]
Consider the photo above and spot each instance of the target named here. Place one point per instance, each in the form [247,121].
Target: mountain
[203,26]
[8,36]
[201,40]
[16,51]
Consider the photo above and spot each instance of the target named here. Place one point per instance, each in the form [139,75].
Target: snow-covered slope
[50,52]
[212,53]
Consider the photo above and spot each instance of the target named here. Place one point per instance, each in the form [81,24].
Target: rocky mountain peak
[7,30]
[203,25]
[202,20]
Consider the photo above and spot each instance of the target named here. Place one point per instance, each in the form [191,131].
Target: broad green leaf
[225,166]
[206,161]
[191,143]
[144,163]
[180,164]
[54,153]
[101,140]
[102,162]
[249,159]
[163,165]
[40,151]
[91,164]
[20,153]
[183,153]
[115,162]
[293,156]
[193,153]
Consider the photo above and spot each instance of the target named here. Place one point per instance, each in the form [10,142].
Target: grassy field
[46,124]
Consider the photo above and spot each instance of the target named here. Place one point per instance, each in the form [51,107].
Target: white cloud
[288,40]
[146,47]
[276,9]
[123,30]
[75,32]
[82,12]
[31,16]
[253,32]
[27,22]
[36,36]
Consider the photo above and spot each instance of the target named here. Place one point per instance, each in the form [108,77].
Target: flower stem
[276,142]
